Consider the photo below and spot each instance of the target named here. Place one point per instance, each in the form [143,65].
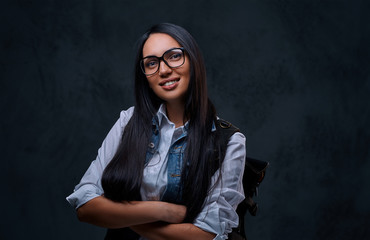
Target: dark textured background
[293,75]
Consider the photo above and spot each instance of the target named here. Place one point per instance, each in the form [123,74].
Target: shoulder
[125,116]
[237,138]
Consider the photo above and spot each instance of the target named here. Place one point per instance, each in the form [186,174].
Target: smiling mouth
[168,83]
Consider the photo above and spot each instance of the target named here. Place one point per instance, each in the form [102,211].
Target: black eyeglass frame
[159,60]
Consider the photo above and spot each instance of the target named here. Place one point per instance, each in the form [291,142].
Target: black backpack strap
[225,130]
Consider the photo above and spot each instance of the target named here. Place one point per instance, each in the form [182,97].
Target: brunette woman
[159,173]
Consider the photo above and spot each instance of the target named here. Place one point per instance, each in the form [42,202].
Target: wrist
[163,211]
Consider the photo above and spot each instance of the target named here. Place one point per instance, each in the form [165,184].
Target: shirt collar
[162,116]
[161,113]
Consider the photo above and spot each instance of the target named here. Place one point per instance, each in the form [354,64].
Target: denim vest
[173,191]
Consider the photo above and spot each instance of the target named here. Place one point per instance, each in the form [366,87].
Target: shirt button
[151,145]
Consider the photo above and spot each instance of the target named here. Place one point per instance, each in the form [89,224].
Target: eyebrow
[150,56]
[162,53]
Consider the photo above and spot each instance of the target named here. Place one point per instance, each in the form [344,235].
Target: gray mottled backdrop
[293,75]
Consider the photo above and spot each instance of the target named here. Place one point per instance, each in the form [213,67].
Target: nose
[164,69]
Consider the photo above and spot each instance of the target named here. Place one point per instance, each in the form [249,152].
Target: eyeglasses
[173,58]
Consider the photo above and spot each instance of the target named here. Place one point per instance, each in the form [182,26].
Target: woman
[159,173]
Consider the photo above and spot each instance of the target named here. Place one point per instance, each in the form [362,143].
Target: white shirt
[218,214]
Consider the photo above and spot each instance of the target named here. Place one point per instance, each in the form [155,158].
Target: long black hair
[123,176]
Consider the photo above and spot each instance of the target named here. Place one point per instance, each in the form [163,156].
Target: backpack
[254,172]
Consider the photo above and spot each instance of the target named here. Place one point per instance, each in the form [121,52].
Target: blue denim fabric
[173,192]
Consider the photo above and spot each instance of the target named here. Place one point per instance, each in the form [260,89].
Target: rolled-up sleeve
[90,184]
[219,212]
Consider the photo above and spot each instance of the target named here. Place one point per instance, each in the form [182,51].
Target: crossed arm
[154,220]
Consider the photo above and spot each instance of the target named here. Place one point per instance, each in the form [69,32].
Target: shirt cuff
[210,229]
[210,221]
[83,194]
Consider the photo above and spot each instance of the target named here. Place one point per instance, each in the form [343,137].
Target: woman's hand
[171,226]
[164,231]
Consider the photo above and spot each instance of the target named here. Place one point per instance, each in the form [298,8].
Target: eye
[151,63]
[175,56]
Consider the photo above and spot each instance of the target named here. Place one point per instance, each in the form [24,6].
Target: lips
[169,84]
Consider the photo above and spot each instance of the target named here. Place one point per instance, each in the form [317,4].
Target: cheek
[186,71]
[188,74]
[150,82]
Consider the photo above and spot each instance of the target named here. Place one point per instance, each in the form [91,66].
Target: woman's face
[169,84]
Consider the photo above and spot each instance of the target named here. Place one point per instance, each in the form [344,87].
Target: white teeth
[169,83]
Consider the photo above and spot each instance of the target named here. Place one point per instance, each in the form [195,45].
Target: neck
[175,113]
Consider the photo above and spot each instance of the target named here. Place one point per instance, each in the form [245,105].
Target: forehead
[158,43]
